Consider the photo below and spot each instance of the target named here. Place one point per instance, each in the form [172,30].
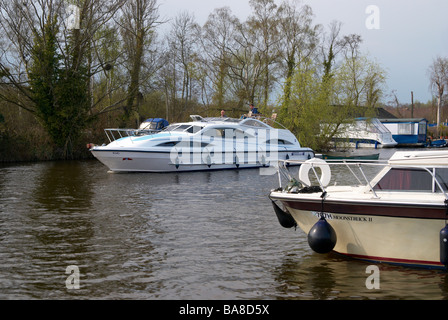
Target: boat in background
[439,143]
[365,133]
[202,144]
[153,125]
[399,216]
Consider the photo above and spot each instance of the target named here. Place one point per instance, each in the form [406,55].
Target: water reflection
[58,223]
[333,277]
[207,235]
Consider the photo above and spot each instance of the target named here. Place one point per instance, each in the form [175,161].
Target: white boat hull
[399,216]
[143,161]
[383,239]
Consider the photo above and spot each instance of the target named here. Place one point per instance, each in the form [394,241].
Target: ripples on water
[204,235]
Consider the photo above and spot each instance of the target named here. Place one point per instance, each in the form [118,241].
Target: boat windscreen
[380,126]
[183,127]
[254,123]
[412,179]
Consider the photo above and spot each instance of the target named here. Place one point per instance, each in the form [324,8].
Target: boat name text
[332,216]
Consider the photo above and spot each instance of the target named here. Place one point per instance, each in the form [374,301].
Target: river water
[204,235]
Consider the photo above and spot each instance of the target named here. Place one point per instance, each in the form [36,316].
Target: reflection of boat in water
[365,133]
[349,156]
[399,216]
[203,144]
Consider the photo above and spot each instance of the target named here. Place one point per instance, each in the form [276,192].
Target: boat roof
[243,121]
[401,120]
[421,158]
[155,120]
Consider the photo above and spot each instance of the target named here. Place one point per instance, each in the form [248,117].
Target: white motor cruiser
[202,144]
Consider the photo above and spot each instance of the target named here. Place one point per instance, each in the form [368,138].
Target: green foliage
[43,72]
[314,106]
[308,107]
[59,92]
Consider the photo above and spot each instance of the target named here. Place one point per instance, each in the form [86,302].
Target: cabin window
[192,144]
[279,141]
[225,133]
[194,129]
[168,144]
[183,127]
[171,127]
[213,133]
[254,123]
[412,179]
[405,128]
[422,128]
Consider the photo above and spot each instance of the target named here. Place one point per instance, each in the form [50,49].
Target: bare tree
[215,39]
[22,20]
[331,46]
[139,19]
[47,66]
[438,76]
[184,46]
[263,24]
[298,40]
[246,64]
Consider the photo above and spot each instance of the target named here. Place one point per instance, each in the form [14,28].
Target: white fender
[316,163]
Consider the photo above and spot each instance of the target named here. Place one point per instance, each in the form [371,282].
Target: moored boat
[202,144]
[398,216]
[365,133]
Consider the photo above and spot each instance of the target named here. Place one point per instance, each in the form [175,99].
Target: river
[71,230]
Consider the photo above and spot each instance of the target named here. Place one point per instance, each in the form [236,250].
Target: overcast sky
[402,36]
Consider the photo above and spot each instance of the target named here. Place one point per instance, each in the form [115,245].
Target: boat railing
[257,116]
[114,134]
[361,178]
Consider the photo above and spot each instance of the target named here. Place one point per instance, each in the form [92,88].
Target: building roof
[403,120]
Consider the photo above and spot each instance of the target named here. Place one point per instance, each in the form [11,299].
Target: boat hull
[399,234]
[154,161]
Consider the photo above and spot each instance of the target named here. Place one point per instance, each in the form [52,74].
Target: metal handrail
[283,171]
[111,136]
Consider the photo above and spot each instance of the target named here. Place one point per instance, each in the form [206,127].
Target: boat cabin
[407,131]
[414,171]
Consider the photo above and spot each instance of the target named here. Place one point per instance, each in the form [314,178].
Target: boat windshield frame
[283,172]
[183,127]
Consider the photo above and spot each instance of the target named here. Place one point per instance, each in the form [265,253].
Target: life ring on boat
[316,163]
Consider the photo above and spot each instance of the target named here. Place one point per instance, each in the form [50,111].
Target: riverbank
[35,146]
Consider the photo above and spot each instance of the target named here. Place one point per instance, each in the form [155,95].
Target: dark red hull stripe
[395,261]
[420,211]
